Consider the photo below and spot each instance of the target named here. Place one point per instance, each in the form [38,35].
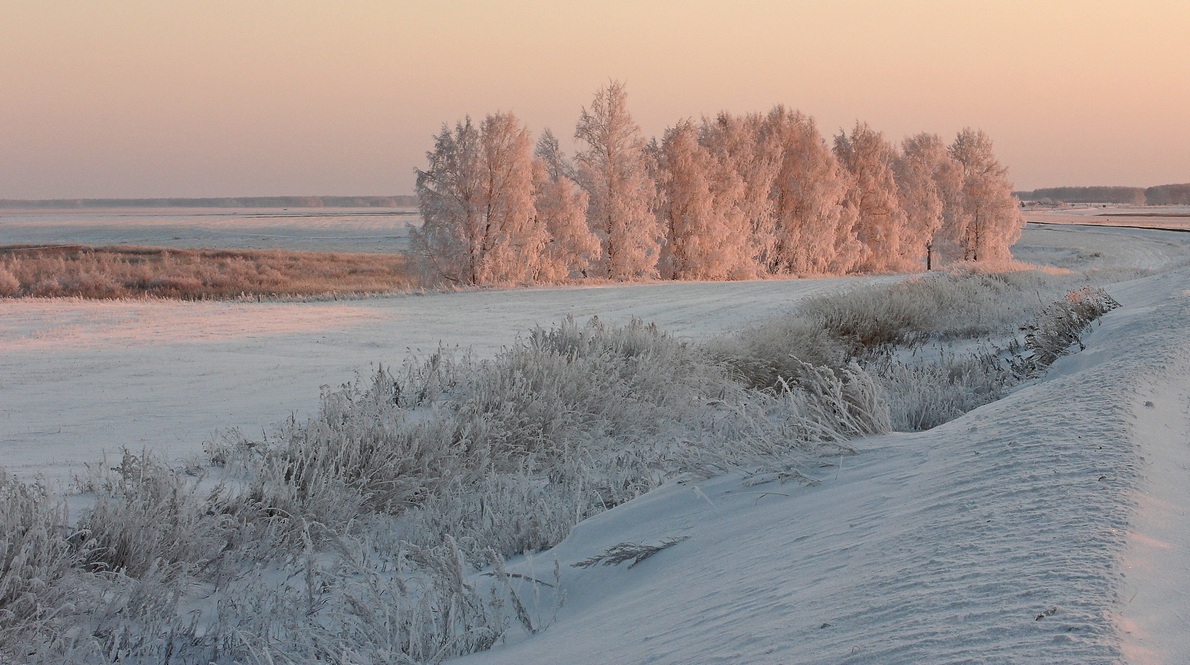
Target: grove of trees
[1168,195]
[729,197]
[1160,195]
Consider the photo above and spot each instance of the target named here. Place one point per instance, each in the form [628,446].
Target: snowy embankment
[1050,526]
[1033,529]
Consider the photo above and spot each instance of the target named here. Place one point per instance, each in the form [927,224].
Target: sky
[184,98]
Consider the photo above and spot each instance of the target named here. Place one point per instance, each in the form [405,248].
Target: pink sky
[247,97]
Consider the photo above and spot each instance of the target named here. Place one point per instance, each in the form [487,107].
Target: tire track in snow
[1155,602]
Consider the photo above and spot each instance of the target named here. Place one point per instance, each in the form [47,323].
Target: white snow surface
[1050,526]
[311,229]
[81,377]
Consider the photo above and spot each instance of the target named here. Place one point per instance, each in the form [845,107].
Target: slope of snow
[997,537]
[1155,613]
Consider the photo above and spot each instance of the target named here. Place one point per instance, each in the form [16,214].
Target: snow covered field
[1150,217]
[1050,526]
[80,377]
[302,229]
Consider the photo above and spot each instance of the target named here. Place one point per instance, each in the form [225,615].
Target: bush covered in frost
[1060,325]
[936,345]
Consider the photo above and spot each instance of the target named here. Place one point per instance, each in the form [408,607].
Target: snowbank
[997,537]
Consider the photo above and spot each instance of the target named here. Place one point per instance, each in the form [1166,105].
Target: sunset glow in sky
[250,97]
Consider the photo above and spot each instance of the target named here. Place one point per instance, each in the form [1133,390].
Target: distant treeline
[244,202]
[1159,195]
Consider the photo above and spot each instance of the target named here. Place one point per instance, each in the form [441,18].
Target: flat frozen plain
[301,229]
[79,377]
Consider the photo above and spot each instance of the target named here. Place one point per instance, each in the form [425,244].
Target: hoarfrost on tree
[611,168]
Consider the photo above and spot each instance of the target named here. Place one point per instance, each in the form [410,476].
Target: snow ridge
[997,537]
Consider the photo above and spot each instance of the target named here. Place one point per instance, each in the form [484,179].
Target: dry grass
[193,274]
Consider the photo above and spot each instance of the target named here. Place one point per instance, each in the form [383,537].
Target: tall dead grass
[194,274]
[350,537]
[937,345]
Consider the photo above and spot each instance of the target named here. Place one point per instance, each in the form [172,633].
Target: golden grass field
[194,274]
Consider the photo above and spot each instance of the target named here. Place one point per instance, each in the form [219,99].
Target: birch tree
[476,203]
[741,147]
[872,197]
[561,206]
[512,239]
[929,184]
[706,236]
[611,168]
[449,200]
[814,232]
[989,219]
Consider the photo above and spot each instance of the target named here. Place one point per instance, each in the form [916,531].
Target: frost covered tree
[814,232]
[729,198]
[512,239]
[742,147]
[448,197]
[549,152]
[561,206]
[989,220]
[476,202]
[611,168]
[706,234]
[873,199]
[929,184]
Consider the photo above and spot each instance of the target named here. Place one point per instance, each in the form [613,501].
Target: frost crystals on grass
[621,552]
